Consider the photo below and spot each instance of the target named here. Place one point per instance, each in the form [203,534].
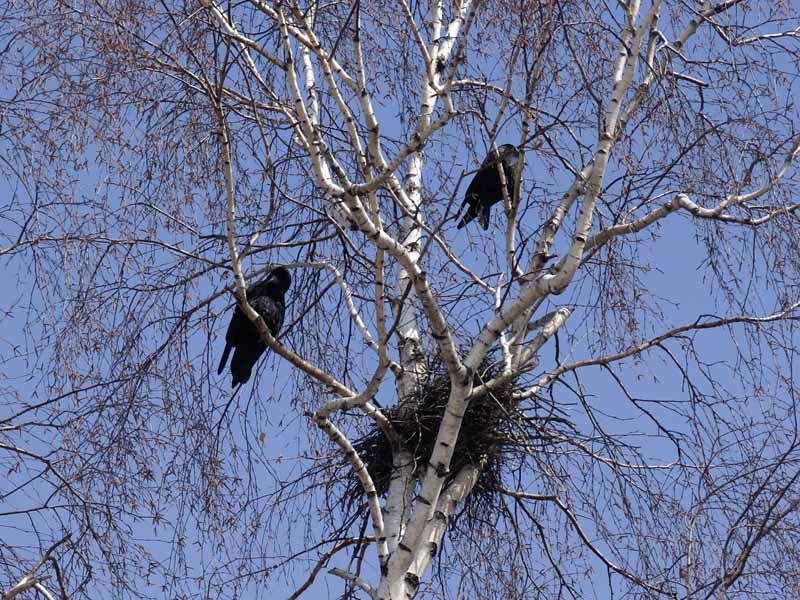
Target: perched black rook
[267,298]
[485,188]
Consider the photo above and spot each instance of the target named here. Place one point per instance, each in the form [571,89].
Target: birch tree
[161,157]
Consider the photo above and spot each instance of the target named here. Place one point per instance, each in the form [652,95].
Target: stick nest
[486,437]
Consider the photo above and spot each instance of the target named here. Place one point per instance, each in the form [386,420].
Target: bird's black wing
[232,336]
[250,347]
[238,328]
[509,170]
[484,215]
[473,198]
[271,310]
[242,335]
[245,356]
[224,360]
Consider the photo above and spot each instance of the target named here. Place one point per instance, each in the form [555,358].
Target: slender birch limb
[371,121]
[794,33]
[325,63]
[412,25]
[246,43]
[549,324]
[588,179]
[656,341]
[435,237]
[409,150]
[356,581]
[682,201]
[332,383]
[735,199]
[519,328]
[302,38]
[300,132]
[417,276]
[371,389]
[323,560]
[441,48]
[305,117]
[362,400]
[30,580]
[363,475]
[505,345]
[44,591]
[351,307]
[528,351]
[553,224]
[590,176]
[545,319]
[659,68]
[307,125]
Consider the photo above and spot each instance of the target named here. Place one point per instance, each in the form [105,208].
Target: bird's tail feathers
[483,217]
[223,361]
[468,216]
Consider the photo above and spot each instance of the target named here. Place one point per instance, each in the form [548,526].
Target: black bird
[485,189]
[267,298]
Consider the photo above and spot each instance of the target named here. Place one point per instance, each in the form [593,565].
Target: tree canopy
[594,396]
